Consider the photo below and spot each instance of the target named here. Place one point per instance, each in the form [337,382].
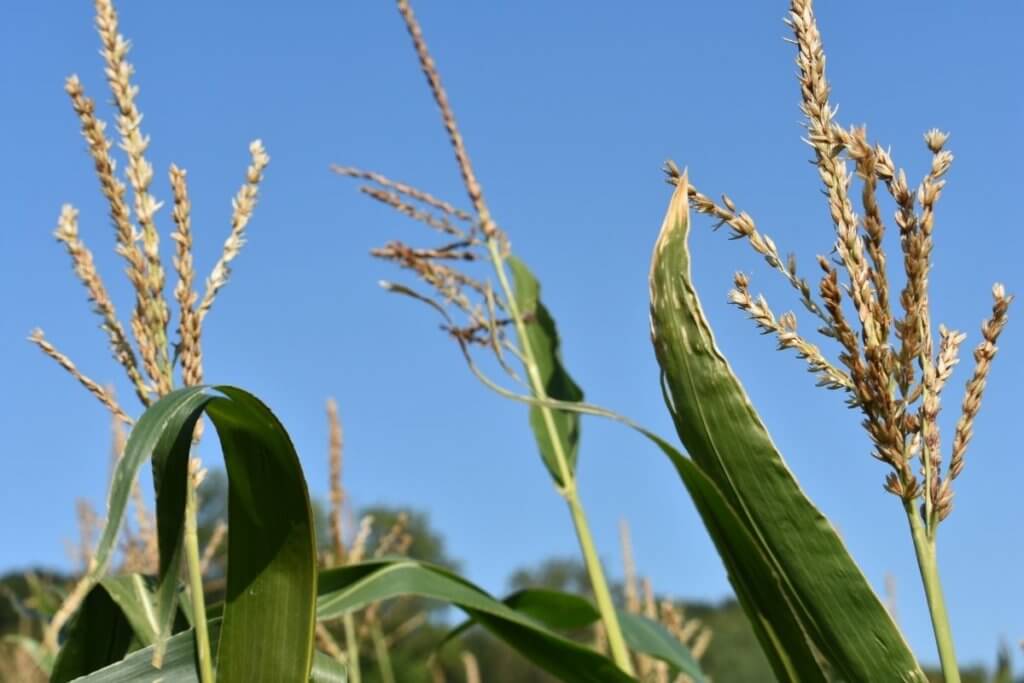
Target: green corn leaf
[554,609]
[326,669]
[651,638]
[179,664]
[133,594]
[165,428]
[269,613]
[269,610]
[754,578]
[726,438]
[99,635]
[118,615]
[349,588]
[564,611]
[545,344]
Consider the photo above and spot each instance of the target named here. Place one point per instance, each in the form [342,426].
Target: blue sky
[569,110]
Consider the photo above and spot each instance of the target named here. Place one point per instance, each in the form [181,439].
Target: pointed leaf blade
[270,608]
[543,338]
[726,438]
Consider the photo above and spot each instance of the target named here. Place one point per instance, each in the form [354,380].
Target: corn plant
[889,367]
[489,310]
[151,620]
[811,607]
[134,627]
[152,364]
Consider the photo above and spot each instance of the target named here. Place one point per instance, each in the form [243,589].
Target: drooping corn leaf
[133,593]
[557,610]
[352,587]
[756,581]
[165,428]
[95,636]
[269,613]
[726,438]
[118,615]
[271,586]
[98,635]
[345,589]
[542,337]
[179,665]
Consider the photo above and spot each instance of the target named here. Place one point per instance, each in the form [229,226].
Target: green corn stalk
[557,432]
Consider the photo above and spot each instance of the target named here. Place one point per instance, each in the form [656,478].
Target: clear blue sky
[569,110]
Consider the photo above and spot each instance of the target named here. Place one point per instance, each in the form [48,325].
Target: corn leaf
[349,588]
[564,611]
[326,669]
[352,587]
[651,638]
[179,664]
[99,635]
[269,610]
[726,438]
[554,609]
[754,578]
[542,337]
[118,608]
[165,428]
[133,593]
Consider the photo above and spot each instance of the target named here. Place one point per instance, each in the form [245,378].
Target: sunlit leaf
[727,440]
[269,608]
[349,588]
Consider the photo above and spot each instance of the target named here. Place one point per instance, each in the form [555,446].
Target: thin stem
[616,641]
[380,646]
[195,581]
[605,606]
[926,561]
[494,239]
[352,649]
